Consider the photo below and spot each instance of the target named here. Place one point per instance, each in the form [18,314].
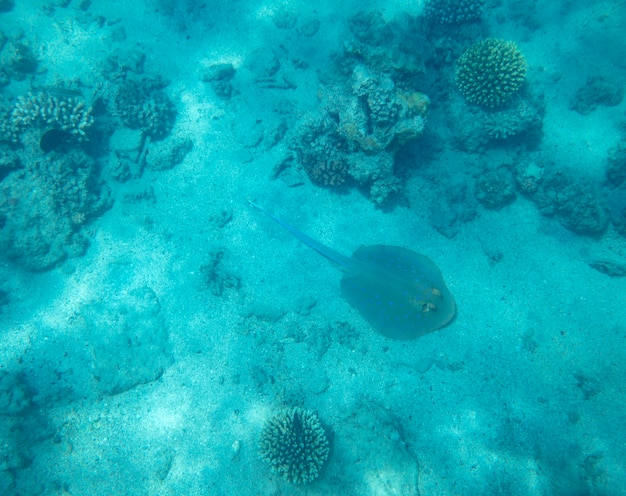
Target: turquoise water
[153,325]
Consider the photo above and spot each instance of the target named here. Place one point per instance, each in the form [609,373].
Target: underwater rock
[18,59]
[457,205]
[609,267]
[44,207]
[163,155]
[126,160]
[127,143]
[616,200]
[265,66]
[9,160]
[220,77]
[6,5]
[266,312]
[598,90]
[368,111]
[575,202]
[616,164]
[54,139]
[304,304]
[4,299]
[126,340]
[370,27]
[528,176]
[16,396]
[383,47]
[216,277]
[309,28]
[123,61]
[283,19]
[495,188]
[375,172]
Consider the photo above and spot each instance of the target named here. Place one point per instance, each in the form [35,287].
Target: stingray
[401,293]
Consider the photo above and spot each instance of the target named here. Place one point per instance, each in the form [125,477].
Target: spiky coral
[295,445]
[490,72]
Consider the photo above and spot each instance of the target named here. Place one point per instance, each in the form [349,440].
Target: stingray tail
[344,263]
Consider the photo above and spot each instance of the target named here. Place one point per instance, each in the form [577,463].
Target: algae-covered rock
[44,206]
[126,339]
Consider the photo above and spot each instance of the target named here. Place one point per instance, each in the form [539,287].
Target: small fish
[401,293]
[62,92]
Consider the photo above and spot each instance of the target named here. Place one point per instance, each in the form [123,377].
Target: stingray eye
[435,292]
[428,307]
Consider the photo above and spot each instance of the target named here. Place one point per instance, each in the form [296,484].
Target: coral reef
[321,152]
[519,124]
[46,111]
[366,120]
[383,47]
[331,173]
[141,104]
[452,11]
[490,72]
[520,120]
[382,116]
[295,445]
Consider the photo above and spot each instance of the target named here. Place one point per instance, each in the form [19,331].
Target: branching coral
[68,114]
[295,445]
[521,119]
[490,72]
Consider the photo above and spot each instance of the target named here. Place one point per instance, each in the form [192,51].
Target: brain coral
[295,445]
[490,72]
[452,11]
